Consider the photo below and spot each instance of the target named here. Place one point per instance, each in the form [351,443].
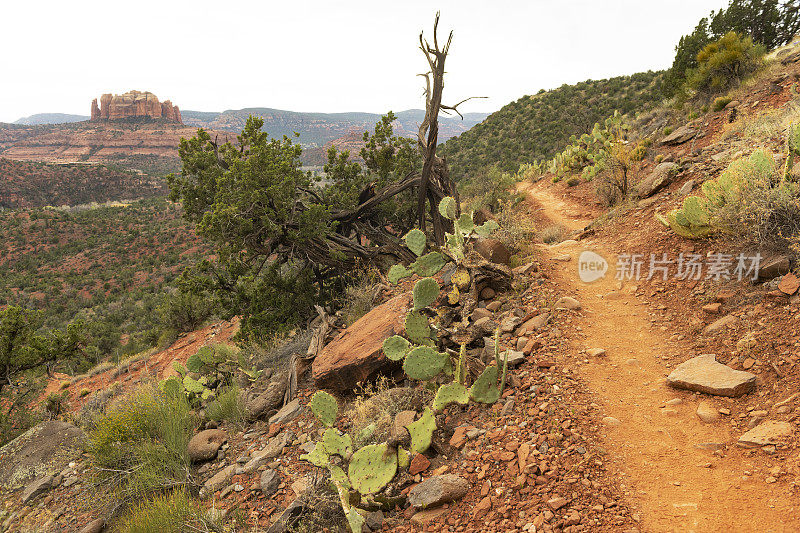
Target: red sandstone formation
[134,104]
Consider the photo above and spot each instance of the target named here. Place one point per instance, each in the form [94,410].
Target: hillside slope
[25,184]
[538,126]
[50,118]
[318,129]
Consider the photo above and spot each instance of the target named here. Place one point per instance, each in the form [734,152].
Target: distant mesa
[134,104]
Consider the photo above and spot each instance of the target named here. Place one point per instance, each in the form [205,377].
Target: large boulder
[494,251]
[660,177]
[44,450]
[357,353]
[205,445]
[679,136]
[704,374]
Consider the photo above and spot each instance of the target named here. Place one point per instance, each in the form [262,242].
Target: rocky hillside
[26,184]
[318,129]
[540,125]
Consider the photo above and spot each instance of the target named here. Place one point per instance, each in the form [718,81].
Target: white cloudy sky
[321,55]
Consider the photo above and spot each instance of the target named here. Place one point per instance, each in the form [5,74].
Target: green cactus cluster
[421,431]
[695,218]
[486,389]
[589,153]
[424,363]
[425,293]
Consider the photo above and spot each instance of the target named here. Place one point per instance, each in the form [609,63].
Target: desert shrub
[614,186]
[139,445]
[573,181]
[360,295]
[372,412]
[227,407]
[493,190]
[105,366]
[724,63]
[184,311]
[668,130]
[171,512]
[692,115]
[759,206]
[516,230]
[56,403]
[84,392]
[720,103]
[553,234]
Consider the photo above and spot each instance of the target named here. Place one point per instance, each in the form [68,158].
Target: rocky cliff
[134,104]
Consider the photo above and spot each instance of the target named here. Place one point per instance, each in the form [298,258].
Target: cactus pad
[421,431]
[425,293]
[447,207]
[172,386]
[371,468]
[417,327]
[450,393]
[206,355]
[485,389]
[396,347]
[396,273]
[429,264]
[453,296]
[192,385]
[486,229]
[193,364]
[415,240]
[337,443]
[423,363]
[403,457]
[464,224]
[324,407]
[318,456]
[179,368]
[355,520]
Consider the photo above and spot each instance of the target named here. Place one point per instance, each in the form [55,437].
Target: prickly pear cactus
[465,224]
[450,393]
[425,293]
[403,457]
[324,407]
[179,368]
[461,278]
[398,272]
[424,363]
[371,468]
[485,389]
[421,431]
[417,327]
[355,520]
[318,456]
[486,229]
[415,240]
[447,207]
[337,443]
[193,364]
[429,264]
[396,348]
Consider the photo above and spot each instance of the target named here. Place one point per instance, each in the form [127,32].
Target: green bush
[172,512]
[721,102]
[227,407]
[139,445]
[724,63]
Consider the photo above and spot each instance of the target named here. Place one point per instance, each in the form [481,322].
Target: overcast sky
[322,55]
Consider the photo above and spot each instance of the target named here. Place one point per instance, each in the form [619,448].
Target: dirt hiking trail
[675,485]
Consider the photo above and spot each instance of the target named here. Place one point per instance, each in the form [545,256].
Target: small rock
[289,412]
[596,352]
[712,309]
[36,487]
[611,421]
[686,188]
[95,526]
[566,302]
[269,482]
[720,324]
[769,432]
[556,503]
[419,464]
[789,284]
[707,413]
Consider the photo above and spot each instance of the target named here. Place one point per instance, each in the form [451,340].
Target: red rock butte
[134,104]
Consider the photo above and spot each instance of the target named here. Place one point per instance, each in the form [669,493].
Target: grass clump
[553,234]
[227,407]
[171,512]
[721,102]
[139,445]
